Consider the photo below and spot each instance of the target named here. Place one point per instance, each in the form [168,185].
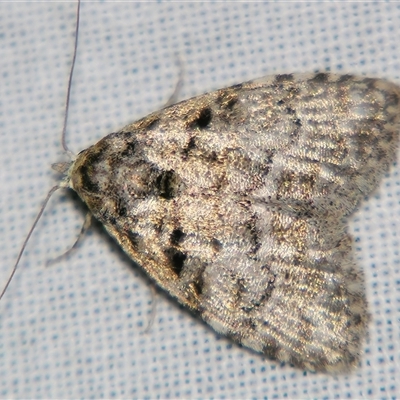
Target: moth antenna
[49,194]
[71,73]
[65,147]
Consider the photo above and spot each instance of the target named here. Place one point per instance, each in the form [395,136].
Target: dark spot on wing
[227,99]
[216,244]
[176,237]
[202,119]
[167,184]
[290,111]
[283,78]
[198,285]
[321,77]
[120,207]
[176,259]
[134,238]
[237,87]
[129,149]
[346,78]
[189,147]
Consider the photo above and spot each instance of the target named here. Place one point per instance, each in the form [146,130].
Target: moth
[236,203]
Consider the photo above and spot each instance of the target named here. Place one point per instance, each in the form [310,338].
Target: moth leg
[152,317]
[178,86]
[85,227]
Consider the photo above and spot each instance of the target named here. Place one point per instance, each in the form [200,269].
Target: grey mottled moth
[236,202]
